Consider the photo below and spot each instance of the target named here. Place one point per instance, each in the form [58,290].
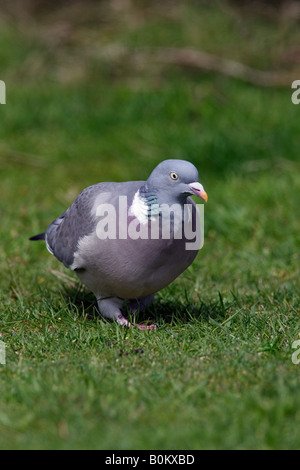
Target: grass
[218,373]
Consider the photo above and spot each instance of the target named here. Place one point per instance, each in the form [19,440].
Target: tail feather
[40,236]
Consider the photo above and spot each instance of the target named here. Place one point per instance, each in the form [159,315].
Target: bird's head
[174,180]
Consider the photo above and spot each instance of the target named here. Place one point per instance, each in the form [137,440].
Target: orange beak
[203,195]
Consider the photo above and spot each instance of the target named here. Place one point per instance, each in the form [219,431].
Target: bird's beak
[198,189]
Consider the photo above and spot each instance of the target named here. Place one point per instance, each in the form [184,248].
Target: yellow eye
[173,175]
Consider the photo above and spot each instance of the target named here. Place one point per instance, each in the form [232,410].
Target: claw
[146,327]
[124,322]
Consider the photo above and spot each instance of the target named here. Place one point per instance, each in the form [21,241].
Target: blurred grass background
[91,96]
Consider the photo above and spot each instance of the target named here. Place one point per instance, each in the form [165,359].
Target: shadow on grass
[159,312]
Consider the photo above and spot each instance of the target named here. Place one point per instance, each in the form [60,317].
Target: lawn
[218,372]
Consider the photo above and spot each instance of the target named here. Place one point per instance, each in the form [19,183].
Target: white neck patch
[139,208]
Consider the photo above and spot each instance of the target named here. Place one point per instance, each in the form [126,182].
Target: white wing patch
[48,246]
[84,249]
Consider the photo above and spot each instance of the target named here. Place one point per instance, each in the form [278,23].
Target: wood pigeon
[128,240]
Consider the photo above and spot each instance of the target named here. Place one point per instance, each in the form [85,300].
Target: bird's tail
[40,236]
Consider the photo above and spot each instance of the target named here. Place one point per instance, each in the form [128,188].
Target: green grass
[218,373]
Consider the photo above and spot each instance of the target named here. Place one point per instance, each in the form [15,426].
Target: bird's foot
[124,322]
[146,327]
[110,307]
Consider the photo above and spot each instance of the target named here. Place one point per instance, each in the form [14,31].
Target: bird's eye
[173,175]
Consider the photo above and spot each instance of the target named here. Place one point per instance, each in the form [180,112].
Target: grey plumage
[124,268]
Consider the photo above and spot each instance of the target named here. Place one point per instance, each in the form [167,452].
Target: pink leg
[122,321]
[110,307]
